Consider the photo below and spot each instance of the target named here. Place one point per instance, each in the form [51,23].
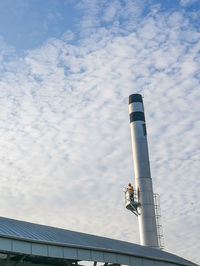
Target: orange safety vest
[131,191]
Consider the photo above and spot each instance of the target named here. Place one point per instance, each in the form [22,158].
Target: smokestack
[143,181]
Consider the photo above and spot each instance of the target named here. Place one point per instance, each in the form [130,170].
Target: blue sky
[66,71]
[27,24]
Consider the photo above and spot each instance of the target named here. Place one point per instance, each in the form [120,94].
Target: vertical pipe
[143,181]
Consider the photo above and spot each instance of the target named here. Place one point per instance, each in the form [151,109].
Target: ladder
[158,220]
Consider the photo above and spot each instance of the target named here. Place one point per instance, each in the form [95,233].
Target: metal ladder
[158,220]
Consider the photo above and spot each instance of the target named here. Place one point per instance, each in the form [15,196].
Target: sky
[67,68]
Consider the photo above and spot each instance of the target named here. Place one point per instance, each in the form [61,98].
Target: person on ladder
[131,191]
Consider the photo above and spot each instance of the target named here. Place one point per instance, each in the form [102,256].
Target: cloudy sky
[67,68]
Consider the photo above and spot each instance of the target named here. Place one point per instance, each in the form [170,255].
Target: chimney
[143,181]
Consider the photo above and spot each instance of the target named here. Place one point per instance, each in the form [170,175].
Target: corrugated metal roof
[34,232]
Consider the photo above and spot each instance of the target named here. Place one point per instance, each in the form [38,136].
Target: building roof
[35,239]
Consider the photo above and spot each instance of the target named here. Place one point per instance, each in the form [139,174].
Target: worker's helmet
[129,184]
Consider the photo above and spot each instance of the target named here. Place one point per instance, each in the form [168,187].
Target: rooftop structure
[28,243]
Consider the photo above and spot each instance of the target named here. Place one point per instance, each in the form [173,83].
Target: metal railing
[127,195]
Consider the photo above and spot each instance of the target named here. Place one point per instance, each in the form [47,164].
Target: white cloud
[187,2]
[65,138]
[5,51]
[68,36]
[109,13]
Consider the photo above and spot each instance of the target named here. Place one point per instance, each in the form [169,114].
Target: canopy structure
[28,243]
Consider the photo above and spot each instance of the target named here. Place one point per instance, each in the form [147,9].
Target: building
[27,244]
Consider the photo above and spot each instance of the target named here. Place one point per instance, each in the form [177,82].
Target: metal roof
[28,235]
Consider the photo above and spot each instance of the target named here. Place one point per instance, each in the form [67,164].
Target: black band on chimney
[135,98]
[137,116]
